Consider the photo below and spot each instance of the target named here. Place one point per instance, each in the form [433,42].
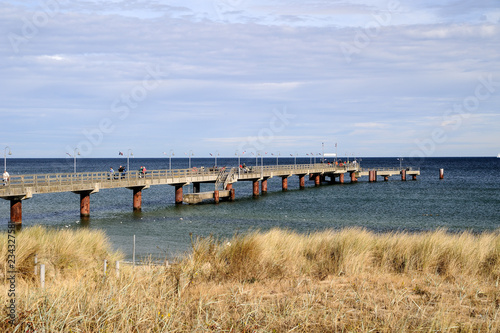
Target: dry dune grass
[351,280]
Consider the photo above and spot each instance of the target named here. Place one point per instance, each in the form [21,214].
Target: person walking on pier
[121,172]
[5,178]
[142,171]
[111,172]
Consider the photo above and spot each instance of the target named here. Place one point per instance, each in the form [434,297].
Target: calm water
[467,199]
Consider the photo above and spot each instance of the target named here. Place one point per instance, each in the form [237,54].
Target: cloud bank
[380,78]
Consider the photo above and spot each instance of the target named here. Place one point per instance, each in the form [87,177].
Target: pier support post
[353,177]
[284,183]
[84,204]
[263,185]
[341,178]
[403,174]
[255,188]
[372,176]
[178,194]
[229,187]
[441,173]
[386,178]
[232,195]
[414,177]
[302,181]
[317,180]
[216,196]
[196,187]
[137,197]
[16,211]
[137,201]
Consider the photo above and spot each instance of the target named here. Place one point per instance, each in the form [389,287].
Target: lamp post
[190,154]
[239,168]
[323,152]
[129,153]
[261,163]
[277,156]
[171,153]
[295,158]
[400,162]
[5,157]
[74,158]
[216,154]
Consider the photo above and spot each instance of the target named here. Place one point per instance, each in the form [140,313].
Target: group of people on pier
[122,172]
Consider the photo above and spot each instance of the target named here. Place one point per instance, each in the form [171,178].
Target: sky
[153,78]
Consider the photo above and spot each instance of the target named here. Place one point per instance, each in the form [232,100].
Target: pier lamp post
[216,154]
[5,157]
[74,158]
[190,154]
[129,153]
[295,158]
[323,152]
[277,156]
[171,153]
[256,158]
[400,162]
[238,153]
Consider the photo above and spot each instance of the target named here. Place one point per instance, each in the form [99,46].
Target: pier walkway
[22,187]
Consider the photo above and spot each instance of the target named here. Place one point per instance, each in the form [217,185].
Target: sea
[467,199]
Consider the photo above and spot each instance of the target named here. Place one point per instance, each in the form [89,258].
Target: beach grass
[350,280]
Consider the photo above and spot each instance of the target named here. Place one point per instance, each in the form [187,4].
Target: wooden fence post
[42,276]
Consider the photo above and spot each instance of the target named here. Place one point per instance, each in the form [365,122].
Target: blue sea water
[468,198]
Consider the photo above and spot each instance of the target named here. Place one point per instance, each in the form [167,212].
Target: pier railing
[63,182]
[389,169]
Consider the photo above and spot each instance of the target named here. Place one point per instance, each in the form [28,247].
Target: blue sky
[379,78]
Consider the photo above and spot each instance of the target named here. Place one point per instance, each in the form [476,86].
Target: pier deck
[21,187]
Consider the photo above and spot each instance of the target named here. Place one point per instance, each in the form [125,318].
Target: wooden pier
[22,187]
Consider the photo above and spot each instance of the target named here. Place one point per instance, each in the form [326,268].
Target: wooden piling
[84,204]
[263,186]
[317,180]
[353,177]
[255,188]
[178,194]
[302,181]
[16,211]
[284,183]
[137,199]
